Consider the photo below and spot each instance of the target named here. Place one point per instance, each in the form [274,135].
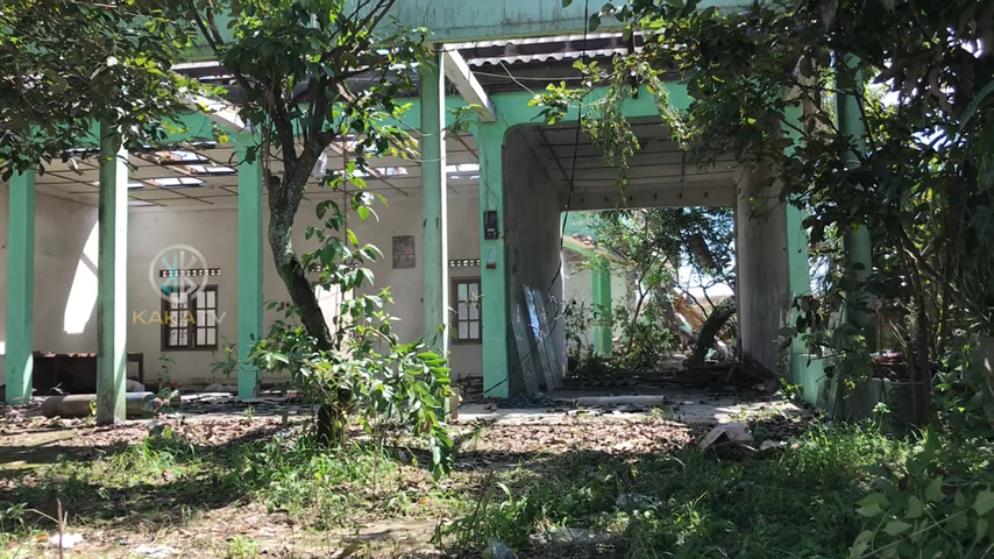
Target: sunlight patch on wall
[83,294]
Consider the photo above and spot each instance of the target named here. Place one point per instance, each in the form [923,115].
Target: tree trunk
[283,204]
[713,324]
[292,272]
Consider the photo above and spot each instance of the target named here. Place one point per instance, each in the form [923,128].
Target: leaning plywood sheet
[534,302]
[548,343]
[526,352]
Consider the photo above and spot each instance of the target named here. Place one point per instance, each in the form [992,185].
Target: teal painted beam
[513,108]
[434,251]
[112,279]
[603,332]
[493,262]
[250,294]
[798,262]
[857,243]
[19,357]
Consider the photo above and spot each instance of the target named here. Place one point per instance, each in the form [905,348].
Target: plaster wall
[579,286]
[66,289]
[65,268]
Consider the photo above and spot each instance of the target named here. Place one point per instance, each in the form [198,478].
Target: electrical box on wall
[491,231]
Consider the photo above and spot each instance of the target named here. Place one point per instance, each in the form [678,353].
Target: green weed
[690,505]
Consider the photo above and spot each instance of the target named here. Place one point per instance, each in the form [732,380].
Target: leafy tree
[652,245]
[294,64]
[65,64]
[767,82]
[921,177]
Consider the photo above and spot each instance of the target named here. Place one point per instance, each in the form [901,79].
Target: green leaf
[915,508]
[933,492]
[869,511]
[984,503]
[895,527]
[862,543]
[595,22]
[960,499]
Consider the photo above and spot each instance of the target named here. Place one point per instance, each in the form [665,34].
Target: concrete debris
[768,445]
[154,551]
[726,432]
[633,500]
[498,550]
[575,536]
[69,541]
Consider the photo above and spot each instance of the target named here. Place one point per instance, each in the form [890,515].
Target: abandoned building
[470,233]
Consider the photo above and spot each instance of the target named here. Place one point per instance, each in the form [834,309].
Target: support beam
[467,85]
[762,282]
[856,242]
[250,297]
[601,273]
[493,266]
[112,278]
[19,360]
[435,254]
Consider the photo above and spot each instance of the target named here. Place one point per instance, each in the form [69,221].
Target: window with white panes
[189,320]
[467,324]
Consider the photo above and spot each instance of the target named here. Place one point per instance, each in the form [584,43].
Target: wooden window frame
[455,320]
[191,335]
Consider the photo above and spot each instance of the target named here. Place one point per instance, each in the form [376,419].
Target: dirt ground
[487,439]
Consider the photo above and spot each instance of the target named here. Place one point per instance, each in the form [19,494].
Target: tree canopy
[67,64]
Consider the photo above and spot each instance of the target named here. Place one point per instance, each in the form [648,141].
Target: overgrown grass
[799,503]
[166,481]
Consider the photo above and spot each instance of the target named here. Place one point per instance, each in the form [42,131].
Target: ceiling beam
[458,72]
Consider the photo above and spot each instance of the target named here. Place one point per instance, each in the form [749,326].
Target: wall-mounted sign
[403,252]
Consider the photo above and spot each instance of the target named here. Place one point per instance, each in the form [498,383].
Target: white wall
[66,275]
[579,286]
[64,304]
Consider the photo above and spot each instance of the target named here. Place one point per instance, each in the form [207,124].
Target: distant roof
[510,64]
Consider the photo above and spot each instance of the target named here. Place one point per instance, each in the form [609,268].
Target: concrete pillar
[435,253]
[762,255]
[601,275]
[856,242]
[19,359]
[493,267]
[250,297]
[112,278]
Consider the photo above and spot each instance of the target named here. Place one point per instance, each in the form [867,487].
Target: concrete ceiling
[155,177]
[658,175]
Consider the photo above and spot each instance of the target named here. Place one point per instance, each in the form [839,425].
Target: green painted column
[250,296]
[19,358]
[112,278]
[601,274]
[856,242]
[434,253]
[493,264]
